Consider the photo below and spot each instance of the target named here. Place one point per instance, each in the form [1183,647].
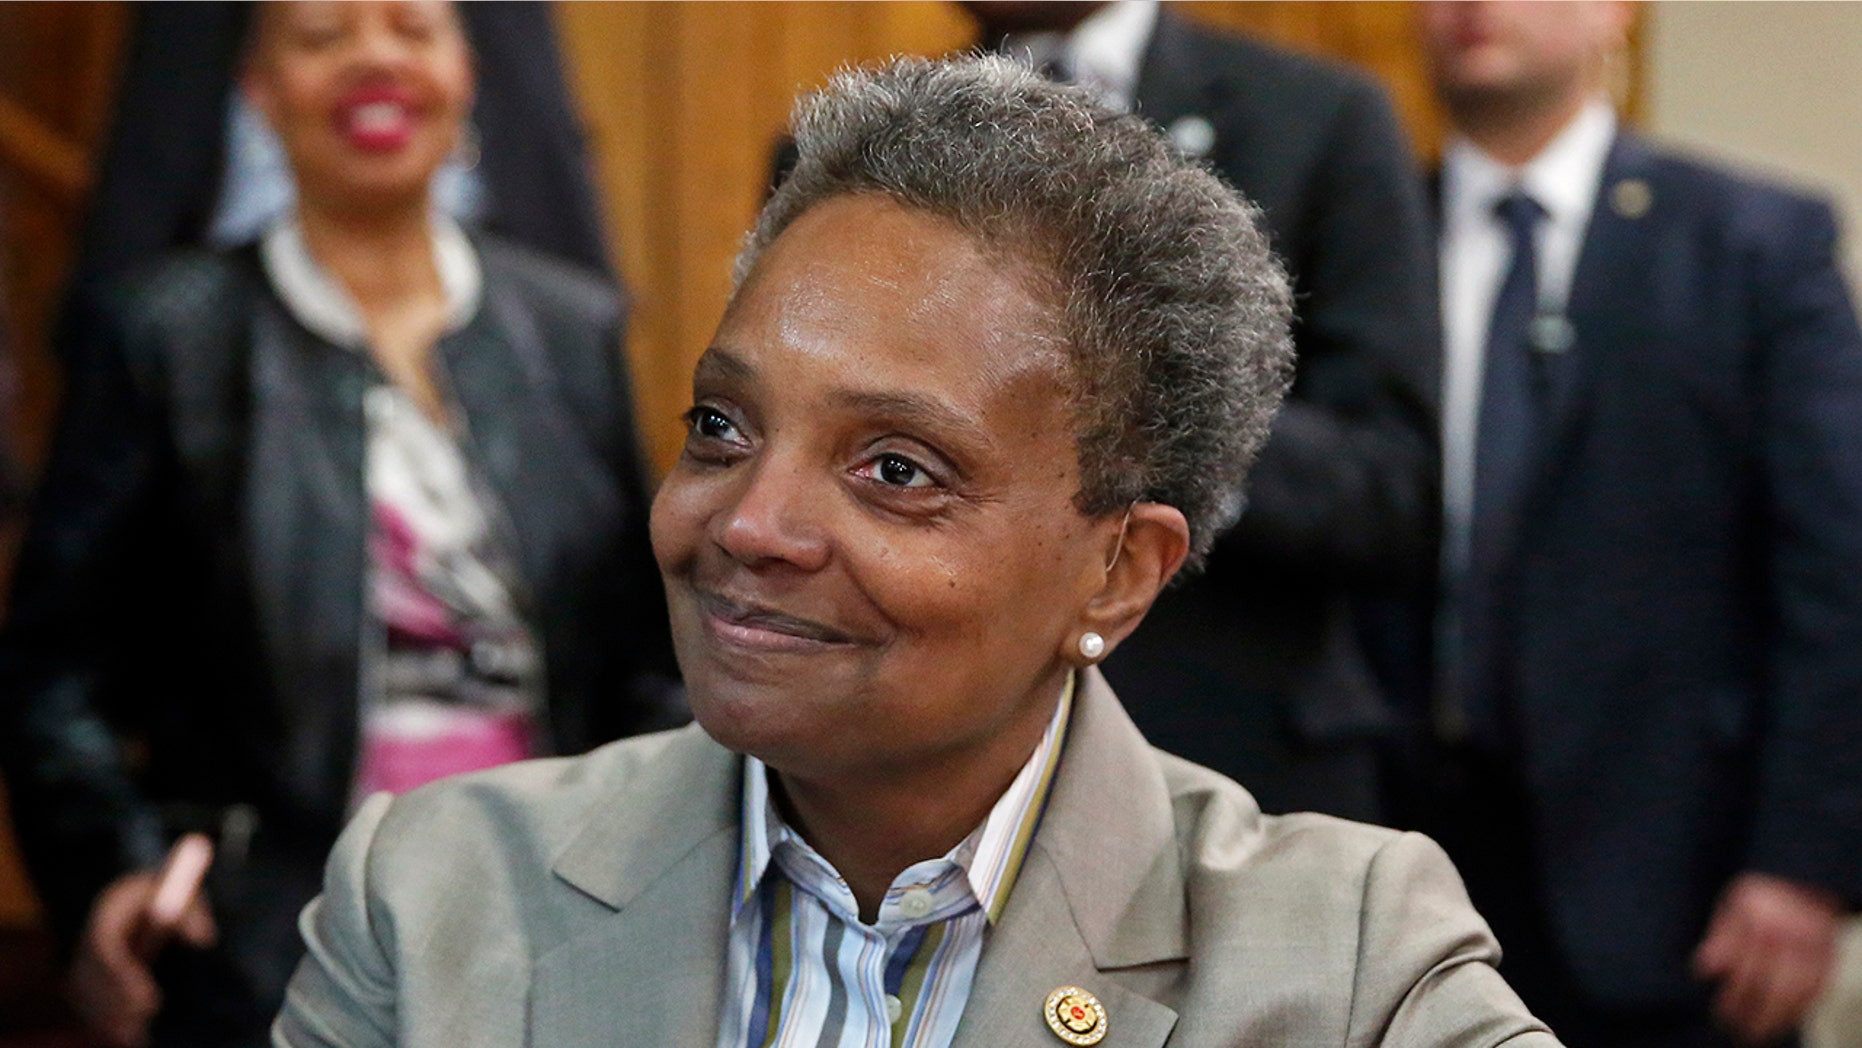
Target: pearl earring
[1092,645]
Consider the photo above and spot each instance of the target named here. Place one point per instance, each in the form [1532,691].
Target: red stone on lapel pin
[1075,1016]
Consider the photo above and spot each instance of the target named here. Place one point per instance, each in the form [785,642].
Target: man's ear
[1152,545]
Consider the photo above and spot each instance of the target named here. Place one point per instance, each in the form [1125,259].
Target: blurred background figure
[347,509]
[189,161]
[1647,748]
[1255,668]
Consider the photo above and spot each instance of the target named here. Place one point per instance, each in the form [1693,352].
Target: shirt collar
[990,857]
[1563,177]
[1102,54]
[320,302]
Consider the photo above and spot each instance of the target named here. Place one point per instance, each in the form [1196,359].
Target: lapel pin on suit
[1075,1016]
[1552,333]
[1194,136]
[1631,198]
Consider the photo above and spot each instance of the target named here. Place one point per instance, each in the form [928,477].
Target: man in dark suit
[1648,720]
[1255,668]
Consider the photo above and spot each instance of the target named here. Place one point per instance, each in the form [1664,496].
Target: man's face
[1028,16]
[1517,48]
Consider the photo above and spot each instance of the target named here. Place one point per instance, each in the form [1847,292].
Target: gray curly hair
[1175,311]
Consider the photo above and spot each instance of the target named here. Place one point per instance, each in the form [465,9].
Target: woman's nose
[380,44]
[779,516]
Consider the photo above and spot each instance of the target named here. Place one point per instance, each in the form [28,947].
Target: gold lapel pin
[1075,1016]
[1631,197]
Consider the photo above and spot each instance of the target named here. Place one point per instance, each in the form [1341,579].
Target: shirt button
[894,1008]
[915,903]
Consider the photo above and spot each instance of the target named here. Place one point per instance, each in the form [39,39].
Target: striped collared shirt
[803,969]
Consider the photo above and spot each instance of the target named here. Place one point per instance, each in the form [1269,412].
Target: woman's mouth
[755,627]
[376,120]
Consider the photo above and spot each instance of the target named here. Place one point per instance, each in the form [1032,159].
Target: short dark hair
[1176,312]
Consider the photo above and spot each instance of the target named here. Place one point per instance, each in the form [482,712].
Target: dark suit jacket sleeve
[1347,484]
[1809,799]
[74,600]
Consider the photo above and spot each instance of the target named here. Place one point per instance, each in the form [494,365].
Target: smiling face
[368,97]
[871,551]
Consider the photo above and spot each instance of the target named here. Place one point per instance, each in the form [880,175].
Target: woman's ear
[1153,541]
[254,84]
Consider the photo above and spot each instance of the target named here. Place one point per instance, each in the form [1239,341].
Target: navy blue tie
[1504,452]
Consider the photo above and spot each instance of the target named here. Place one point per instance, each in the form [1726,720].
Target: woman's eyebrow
[920,412]
[913,410]
[720,364]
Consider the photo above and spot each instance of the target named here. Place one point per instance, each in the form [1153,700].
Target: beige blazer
[583,902]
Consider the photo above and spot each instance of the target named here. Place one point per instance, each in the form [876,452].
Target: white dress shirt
[1103,54]
[1475,257]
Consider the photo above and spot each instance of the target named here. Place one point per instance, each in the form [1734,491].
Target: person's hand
[1771,946]
[112,989]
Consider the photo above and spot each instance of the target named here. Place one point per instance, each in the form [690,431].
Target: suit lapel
[1102,890]
[1613,274]
[662,859]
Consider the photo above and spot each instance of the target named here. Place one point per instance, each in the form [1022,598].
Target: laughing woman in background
[349,510]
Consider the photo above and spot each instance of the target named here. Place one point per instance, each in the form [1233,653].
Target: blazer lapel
[306,518]
[663,859]
[1615,267]
[542,469]
[1100,892]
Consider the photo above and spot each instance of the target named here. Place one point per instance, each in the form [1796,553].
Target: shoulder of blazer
[608,822]
[1740,205]
[180,321]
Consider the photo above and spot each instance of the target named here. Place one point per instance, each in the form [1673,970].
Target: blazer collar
[686,792]
[549,480]
[1102,890]
[659,856]
[1127,899]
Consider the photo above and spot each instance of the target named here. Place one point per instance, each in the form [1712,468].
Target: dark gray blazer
[1255,669]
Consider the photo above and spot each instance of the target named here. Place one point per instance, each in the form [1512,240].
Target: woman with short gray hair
[991,375]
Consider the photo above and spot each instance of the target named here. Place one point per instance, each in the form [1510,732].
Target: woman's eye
[898,471]
[313,35]
[711,424]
